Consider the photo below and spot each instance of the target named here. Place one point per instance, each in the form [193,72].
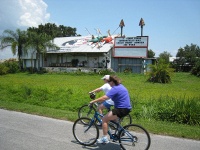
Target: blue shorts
[106,105]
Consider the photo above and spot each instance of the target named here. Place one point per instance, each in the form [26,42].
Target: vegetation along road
[163,109]
[22,131]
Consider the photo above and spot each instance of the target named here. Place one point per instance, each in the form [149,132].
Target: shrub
[160,72]
[127,70]
[105,71]
[30,69]
[13,65]
[3,69]
[196,69]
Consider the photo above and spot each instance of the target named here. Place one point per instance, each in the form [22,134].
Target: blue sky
[170,24]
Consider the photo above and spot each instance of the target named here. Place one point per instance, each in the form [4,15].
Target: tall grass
[181,110]
[175,102]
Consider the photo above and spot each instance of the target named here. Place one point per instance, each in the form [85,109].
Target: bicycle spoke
[85,133]
[134,136]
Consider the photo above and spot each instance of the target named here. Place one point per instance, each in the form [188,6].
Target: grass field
[60,96]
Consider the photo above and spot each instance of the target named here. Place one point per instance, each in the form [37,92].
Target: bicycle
[86,111]
[86,132]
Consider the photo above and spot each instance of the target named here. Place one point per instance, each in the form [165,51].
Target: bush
[160,72]
[106,71]
[196,69]
[13,65]
[3,69]
[127,70]
[30,69]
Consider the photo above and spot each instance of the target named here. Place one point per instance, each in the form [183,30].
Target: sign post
[141,24]
[122,25]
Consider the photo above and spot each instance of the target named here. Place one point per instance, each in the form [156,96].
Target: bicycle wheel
[86,111]
[134,137]
[126,120]
[85,133]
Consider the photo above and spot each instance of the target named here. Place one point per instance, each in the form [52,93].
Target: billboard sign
[131,47]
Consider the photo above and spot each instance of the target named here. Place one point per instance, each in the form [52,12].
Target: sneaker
[103,140]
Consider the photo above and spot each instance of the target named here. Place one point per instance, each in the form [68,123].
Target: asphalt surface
[21,131]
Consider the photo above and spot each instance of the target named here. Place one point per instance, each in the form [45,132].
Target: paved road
[20,131]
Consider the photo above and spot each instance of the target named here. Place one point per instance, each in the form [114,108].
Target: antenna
[87,31]
[115,31]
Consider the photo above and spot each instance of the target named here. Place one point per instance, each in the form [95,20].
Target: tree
[196,69]
[165,56]
[39,43]
[17,42]
[151,54]
[189,53]
[54,31]
[187,57]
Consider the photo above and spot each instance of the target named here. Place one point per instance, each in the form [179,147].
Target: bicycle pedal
[115,138]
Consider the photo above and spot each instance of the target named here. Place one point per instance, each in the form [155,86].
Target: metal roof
[80,44]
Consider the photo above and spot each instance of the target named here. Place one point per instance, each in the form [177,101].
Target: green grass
[39,110]
[60,95]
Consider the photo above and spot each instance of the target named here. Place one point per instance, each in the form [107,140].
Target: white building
[74,52]
[85,52]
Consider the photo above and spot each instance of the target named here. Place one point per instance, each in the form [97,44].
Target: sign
[131,41]
[130,52]
[131,47]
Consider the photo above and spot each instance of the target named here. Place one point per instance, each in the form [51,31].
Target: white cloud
[22,14]
[33,13]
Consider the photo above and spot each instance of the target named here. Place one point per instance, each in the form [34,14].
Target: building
[93,53]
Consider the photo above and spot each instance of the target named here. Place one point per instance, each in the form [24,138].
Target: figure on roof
[108,39]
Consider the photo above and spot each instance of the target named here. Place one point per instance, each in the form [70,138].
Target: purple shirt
[119,94]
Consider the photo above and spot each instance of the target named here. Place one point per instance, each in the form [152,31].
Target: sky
[170,24]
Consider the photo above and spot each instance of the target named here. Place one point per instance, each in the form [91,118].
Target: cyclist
[105,88]
[122,105]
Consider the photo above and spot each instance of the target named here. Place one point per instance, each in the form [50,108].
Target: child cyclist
[105,88]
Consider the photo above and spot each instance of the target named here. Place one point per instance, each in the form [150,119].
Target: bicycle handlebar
[90,105]
[92,95]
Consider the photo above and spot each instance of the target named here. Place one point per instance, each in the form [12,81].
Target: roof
[81,44]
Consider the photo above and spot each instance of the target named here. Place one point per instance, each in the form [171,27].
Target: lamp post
[141,23]
[122,25]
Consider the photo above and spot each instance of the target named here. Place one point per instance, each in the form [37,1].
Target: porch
[78,64]
[72,69]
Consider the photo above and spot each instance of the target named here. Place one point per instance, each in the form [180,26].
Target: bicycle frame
[118,129]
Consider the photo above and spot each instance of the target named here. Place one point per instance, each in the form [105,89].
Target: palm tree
[160,72]
[39,43]
[17,42]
